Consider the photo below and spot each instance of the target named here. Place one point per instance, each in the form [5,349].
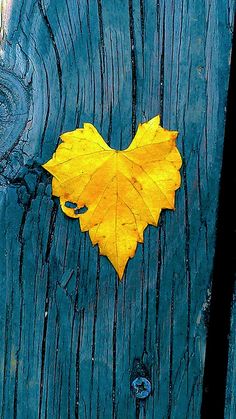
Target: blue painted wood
[70,331]
[230,400]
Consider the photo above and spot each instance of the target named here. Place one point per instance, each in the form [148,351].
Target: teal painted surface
[70,331]
[230,401]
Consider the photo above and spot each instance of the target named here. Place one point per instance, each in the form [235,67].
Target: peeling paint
[5,13]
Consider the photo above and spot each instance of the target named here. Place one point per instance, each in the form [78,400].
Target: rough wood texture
[71,332]
[230,401]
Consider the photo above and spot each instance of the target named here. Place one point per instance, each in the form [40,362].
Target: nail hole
[70,204]
[80,210]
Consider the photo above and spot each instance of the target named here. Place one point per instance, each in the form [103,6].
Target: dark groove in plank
[162,69]
[45,323]
[224,268]
[133,66]
[142,282]
[187,255]
[51,34]
[43,350]
[94,326]
[90,49]
[100,20]
[47,111]
[77,374]
[145,332]
[158,16]
[114,337]
[158,277]
[142,24]
[101,54]
[51,231]
[6,345]
[21,291]
[109,126]
[137,409]
[146,321]
[170,396]
[22,243]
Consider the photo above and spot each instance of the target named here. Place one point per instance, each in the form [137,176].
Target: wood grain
[230,400]
[71,331]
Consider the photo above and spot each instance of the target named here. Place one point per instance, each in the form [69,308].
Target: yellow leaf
[123,191]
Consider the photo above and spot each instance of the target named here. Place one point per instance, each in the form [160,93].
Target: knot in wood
[14,108]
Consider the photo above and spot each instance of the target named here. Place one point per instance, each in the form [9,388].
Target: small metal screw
[141,387]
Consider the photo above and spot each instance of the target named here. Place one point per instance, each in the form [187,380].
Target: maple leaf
[123,191]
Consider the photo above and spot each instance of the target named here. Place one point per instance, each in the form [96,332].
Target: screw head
[141,387]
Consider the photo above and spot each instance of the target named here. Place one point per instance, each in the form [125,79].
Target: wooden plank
[71,332]
[230,400]
[222,291]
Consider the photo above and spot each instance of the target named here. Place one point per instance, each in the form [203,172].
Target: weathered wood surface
[230,400]
[70,331]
